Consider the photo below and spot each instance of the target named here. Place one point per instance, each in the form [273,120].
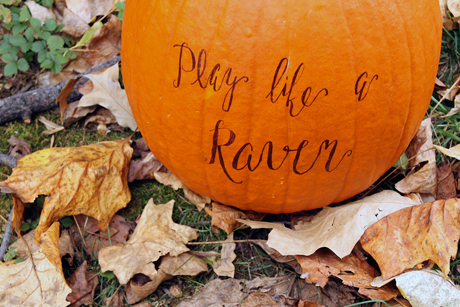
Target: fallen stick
[23,105]
[11,162]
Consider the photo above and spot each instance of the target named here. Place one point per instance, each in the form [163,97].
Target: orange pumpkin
[279,106]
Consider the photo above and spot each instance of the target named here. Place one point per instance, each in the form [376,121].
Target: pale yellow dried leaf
[172,181]
[186,264]
[453,152]
[89,180]
[50,126]
[21,286]
[155,235]
[224,266]
[74,25]
[454,9]
[87,10]
[108,93]
[456,107]
[338,228]
[423,180]
[425,288]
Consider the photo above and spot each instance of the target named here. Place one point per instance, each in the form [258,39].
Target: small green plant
[29,224]
[121,8]
[11,254]
[29,39]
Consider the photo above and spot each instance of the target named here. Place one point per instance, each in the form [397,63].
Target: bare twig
[8,160]
[6,237]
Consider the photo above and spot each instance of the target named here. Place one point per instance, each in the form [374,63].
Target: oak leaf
[108,93]
[224,266]
[155,235]
[37,281]
[89,180]
[185,264]
[338,228]
[409,237]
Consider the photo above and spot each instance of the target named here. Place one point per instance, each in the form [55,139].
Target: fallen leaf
[453,152]
[116,300]
[108,93]
[40,12]
[175,290]
[155,235]
[224,266]
[141,286]
[141,169]
[185,264]
[73,113]
[302,303]
[422,180]
[37,281]
[18,213]
[426,288]
[140,147]
[18,148]
[100,116]
[106,42]
[230,292]
[171,180]
[273,253]
[73,25]
[338,228]
[64,94]
[52,127]
[89,180]
[95,239]
[409,237]
[454,9]
[226,218]
[259,298]
[79,284]
[447,186]
[351,270]
[87,10]
[65,245]
[446,21]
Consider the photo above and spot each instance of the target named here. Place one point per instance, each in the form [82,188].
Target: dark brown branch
[25,104]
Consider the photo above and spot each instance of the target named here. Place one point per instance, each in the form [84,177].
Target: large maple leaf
[90,180]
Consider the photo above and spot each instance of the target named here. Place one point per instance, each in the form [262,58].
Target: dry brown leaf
[89,180]
[106,42]
[273,253]
[87,10]
[140,147]
[447,186]
[454,9]
[108,93]
[95,239]
[143,168]
[171,180]
[79,284]
[155,235]
[303,303]
[74,25]
[39,280]
[50,126]
[421,180]
[185,264]
[18,148]
[224,266]
[338,228]
[351,270]
[73,113]
[259,299]
[100,116]
[409,237]
[116,300]
[226,218]
[64,94]
[231,292]
[141,286]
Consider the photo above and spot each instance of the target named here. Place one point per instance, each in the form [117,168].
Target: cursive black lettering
[361,89]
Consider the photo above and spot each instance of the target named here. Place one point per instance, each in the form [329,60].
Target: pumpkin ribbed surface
[279,106]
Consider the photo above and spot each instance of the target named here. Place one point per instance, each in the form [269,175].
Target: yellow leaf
[453,152]
[90,180]
[38,281]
